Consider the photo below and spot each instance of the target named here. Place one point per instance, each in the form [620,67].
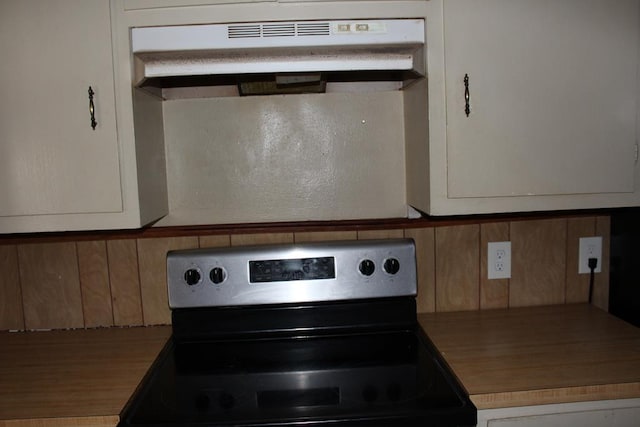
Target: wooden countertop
[76,377]
[513,357]
[539,355]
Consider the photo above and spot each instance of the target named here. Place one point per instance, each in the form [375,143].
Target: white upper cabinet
[552,123]
[552,101]
[53,162]
[57,172]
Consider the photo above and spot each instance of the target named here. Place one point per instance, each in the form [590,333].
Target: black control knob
[192,277]
[217,275]
[367,267]
[391,265]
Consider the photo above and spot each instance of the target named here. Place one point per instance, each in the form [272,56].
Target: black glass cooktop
[383,378]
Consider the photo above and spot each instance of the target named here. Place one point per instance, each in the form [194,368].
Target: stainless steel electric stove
[307,334]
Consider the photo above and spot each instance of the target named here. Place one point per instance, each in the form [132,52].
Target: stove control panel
[294,273]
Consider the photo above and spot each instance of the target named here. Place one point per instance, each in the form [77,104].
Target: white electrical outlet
[590,247]
[499,260]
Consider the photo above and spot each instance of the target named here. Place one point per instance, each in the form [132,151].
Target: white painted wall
[285,158]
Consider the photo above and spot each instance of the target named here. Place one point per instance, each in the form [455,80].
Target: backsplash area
[49,284]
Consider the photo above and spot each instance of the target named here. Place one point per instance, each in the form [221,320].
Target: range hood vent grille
[284,29]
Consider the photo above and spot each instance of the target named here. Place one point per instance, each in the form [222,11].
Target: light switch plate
[499,260]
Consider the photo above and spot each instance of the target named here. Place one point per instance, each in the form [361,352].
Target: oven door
[388,378]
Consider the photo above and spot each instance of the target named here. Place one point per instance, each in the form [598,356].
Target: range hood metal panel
[277,60]
[285,47]
[223,36]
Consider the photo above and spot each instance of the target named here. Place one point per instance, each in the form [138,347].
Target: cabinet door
[51,160]
[626,417]
[552,94]
[611,413]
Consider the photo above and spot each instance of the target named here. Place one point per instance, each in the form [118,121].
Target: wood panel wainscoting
[101,279]
[63,422]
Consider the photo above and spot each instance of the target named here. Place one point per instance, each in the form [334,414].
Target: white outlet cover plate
[589,247]
[499,260]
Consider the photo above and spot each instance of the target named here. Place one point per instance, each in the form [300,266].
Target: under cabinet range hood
[281,57]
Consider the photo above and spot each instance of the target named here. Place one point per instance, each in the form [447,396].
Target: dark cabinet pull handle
[467,108]
[92,109]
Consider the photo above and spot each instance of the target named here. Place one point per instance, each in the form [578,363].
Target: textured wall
[285,158]
[121,282]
